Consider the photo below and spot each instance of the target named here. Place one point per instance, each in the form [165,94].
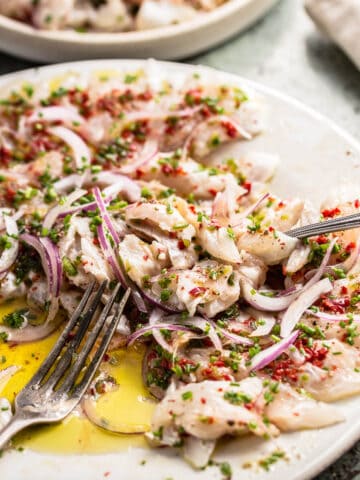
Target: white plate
[168,43]
[316,157]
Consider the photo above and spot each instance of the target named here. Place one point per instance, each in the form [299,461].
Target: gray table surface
[285,51]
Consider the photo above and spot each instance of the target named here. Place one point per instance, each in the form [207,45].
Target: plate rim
[352,434]
[209,19]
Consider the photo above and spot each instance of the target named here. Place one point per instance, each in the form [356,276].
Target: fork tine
[80,361]
[66,358]
[51,358]
[335,225]
[95,362]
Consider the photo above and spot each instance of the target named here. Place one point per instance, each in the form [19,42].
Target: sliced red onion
[32,333]
[334,317]
[208,327]
[301,304]
[155,317]
[148,152]
[251,209]
[81,152]
[56,211]
[55,114]
[263,302]
[154,300]
[55,263]
[119,183]
[266,325]
[105,215]
[234,337]
[270,354]
[51,263]
[322,268]
[159,326]
[115,265]
[9,255]
[69,182]
[110,255]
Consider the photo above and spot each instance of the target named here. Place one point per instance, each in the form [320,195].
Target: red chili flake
[330,213]
[321,240]
[197,291]
[205,111]
[315,355]
[219,363]
[192,208]
[343,290]
[247,186]
[10,194]
[95,241]
[271,229]
[184,361]
[146,96]
[193,97]
[337,306]
[281,204]
[106,357]
[231,130]
[5,156]
[357,203]
[350,246]
[285,370]
[106,474]
[146,257]
[181,245]
[213,192]
[203,400]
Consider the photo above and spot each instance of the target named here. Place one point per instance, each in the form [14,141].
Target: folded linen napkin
[340,20]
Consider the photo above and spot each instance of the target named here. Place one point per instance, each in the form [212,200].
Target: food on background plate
[105,15]
[125,177]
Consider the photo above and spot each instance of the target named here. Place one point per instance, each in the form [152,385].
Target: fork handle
[16,424]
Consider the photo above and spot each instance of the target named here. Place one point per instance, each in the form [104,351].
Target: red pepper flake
[247,186]
[330,213]
[197,291]
[181,245]
[231,130]
[285,370]
[219,363]
[350,246]
[336,306]
[343,290]
[146,257]
[106,474]
[203,400]
[192,208]
[146,96]
[321,240]
[5,156]
[357,203]
[213,192]
[10,194]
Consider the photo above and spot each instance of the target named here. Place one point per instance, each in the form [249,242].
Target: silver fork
[328,226]
[50,397]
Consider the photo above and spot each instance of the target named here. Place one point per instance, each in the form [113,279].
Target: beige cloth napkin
[340,20]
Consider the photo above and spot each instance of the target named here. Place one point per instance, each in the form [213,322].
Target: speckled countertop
[284,51]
